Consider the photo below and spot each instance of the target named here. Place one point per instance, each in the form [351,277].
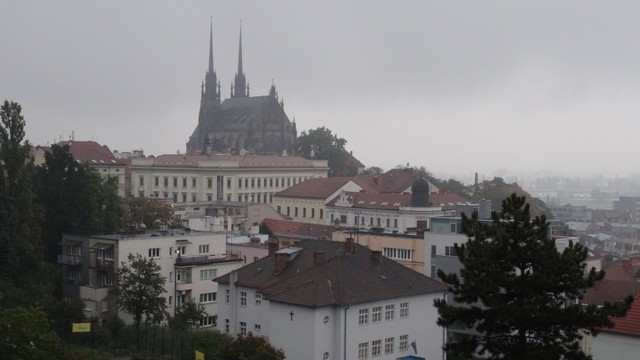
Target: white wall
[607,346]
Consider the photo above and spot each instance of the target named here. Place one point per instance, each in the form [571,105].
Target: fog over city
[457,87]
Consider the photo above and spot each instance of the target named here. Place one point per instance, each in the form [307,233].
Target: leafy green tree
[323,145]
[75,199]
[188,315]
[373,170]
[249,348]
[26,335]
[519,293]
[497,189]
[151,213]
[138,286]
[22,273]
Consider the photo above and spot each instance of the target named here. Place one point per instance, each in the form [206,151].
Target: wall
[607,346]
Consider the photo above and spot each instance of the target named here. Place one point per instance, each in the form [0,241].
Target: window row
[257,328]
[257,298]
[302,212]
[377,347]
[377,312]
[263,198]
[270,182]
[367,220]
[400,254]
[154,253]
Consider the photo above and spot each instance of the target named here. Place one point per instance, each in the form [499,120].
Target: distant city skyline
[455,87]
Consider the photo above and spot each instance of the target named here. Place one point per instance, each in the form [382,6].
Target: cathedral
[242,123]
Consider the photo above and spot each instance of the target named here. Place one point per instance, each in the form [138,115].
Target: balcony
[69,259]
[105,264]
[199,260]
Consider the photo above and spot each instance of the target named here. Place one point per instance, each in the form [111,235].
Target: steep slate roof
[316,188]
[295,228]
[393,181]
[91,152]
[239,112]
[343,278]
[191,160]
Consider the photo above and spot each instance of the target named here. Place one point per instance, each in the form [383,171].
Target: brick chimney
[280,262]
[273,247]
[377,254]
[349,246]
[318,258]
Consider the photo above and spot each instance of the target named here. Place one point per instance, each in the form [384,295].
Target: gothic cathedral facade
[242,123]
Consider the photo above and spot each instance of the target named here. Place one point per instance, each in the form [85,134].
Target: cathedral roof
[238,112]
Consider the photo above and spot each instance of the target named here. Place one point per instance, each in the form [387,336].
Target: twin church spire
[211,85]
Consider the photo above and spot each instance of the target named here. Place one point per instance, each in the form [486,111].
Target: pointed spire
[211,46]
[240,51]
[240,83]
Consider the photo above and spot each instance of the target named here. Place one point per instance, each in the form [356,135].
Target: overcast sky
[456,86]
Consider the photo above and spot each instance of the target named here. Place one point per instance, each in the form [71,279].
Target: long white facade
[191,178]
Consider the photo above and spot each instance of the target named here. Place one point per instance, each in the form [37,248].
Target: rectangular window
[295,211]
[363,317]
[388,222]
[404,310]
[184,197]
[184,182]
[279,209]
[400,254]
[154,253]
[182,250]
[259,182]
[253,183]
[203,249]
[166,182]
[288,211]
[321,213]
[270,182]
[246,183]
[257,328]
[371,221]
[388,345]
[378,221]
[343,219]
[170,300]
[226,296]
[304,212]
[433,251]
[208,274]
[193,182]
[389,312]
[239,183]
[226,325]
[453,228]
[450,251]
[376,348]
[208,297]
[313,213]
[228,183]
[243,328]
[141,180]
[258,299]
[395,223]
[363,350]
[208,321]
[243,298]
[175,182]
[376,314]
[403,343]
[170,276]
[156,181]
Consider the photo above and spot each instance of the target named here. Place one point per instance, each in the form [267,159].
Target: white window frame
[389,312]
[404,310]
[376,314]
[389,344]
[363,316]
[154,253]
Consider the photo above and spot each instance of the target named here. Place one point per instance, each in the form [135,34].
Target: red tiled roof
[91,152]
[342,278]
[190,160]
[629,324]
[619,282]
[316,188]
[293,228]
[391,201]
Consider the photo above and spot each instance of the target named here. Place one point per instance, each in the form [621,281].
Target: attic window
[372,203]
[385,203]
[361,202]
[383,277]
[396,204]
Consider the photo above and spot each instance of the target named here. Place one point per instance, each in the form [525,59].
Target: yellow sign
[199,355]
[81,327]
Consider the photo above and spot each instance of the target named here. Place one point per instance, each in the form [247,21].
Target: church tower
[211,86]
[240,87]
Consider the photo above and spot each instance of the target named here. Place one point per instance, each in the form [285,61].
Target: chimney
[377,254]
[318,258]
[273,247]
[349,245]
[280,262]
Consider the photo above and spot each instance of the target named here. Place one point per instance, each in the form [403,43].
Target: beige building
[408,250]
[306,202]
[232,178]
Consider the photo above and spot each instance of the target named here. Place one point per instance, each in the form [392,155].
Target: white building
[242,178]
[330,300]
[189,260]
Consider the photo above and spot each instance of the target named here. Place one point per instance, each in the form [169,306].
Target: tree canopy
[138,286]
[148,212]
[322,144]
[518,292]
